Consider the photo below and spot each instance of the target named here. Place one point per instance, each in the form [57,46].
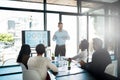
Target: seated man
[41,64]
[100,59]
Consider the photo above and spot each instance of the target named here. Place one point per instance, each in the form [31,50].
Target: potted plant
[6,39]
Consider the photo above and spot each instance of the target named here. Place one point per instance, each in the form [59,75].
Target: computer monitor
[34,37]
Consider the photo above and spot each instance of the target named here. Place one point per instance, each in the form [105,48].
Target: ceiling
[85,3]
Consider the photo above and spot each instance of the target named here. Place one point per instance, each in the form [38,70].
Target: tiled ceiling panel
[109,1]
[63,2]
[85,3]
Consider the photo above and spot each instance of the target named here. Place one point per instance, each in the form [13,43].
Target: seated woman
[41,64]
[83,54]
[24,55]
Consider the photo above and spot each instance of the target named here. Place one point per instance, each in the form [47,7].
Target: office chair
[111,69]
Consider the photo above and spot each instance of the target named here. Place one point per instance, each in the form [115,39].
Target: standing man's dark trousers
[60,49]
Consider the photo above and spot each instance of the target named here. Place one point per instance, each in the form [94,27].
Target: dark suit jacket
[100,60]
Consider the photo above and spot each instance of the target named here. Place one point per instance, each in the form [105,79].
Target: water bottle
[69,62]
[59,60]
[59,57]
[53,56]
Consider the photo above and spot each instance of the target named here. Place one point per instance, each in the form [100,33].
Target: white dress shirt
[60,37]
[81,56]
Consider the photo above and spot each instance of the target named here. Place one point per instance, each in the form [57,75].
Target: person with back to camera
[41,64]
[83,54]
[24,55]
[60,37]
[100,59]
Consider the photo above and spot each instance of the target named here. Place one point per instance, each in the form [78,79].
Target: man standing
[60,37]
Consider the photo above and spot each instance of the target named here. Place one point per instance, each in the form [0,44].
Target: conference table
[75,73]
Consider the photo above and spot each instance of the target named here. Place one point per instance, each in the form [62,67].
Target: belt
[60,45]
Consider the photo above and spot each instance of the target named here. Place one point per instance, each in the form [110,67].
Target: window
[96,30]
[12,23]
[24,5]
[52,25]
[70,24]
[82,28]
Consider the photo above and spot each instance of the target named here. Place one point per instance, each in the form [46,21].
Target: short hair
[98,42]
[40,49]
[60,23]
[84,44]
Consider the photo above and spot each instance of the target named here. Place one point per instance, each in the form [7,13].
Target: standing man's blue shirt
[60,37]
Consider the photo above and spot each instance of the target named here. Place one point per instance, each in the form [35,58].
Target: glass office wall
[52,26]
[70,24]
[12,23]
[96,30]
[71,48]
[96,24]
[82,27]
[16,21]
[19,4]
